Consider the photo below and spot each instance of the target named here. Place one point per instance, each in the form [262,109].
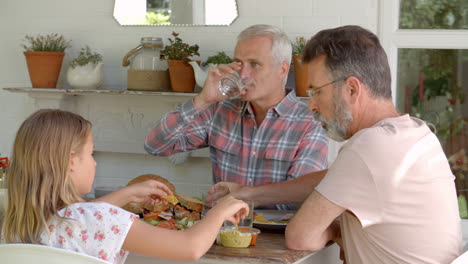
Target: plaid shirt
[288,143]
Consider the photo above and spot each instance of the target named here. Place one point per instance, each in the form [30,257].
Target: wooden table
[270,248]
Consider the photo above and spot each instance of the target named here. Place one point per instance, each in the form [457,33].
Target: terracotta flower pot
[44,68]
[300,75]
[182,76]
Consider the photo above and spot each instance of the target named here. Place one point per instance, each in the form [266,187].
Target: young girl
[52,167]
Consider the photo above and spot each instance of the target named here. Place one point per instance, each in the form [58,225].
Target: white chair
[462,259]
[32,253]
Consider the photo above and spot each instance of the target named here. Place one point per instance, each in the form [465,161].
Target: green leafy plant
[178,50]
[86,56]
[298,46]
[219,58]
[437,68]
[153,18]
[51,42]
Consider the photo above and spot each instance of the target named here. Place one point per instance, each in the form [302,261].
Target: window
[433,14]
[427,45]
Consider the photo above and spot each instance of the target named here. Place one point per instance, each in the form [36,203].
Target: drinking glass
[231,85]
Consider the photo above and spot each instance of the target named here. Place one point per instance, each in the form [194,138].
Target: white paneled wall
[89,22]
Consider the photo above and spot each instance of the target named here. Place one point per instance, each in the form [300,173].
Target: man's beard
[337,127]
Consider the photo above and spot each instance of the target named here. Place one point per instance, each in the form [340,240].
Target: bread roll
[146,177]
[190,203]
[137,208]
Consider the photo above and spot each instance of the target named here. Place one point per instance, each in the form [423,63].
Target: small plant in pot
[300,71]
[44,57]
[219,58]
[85,71]
[178,54]
[201,74]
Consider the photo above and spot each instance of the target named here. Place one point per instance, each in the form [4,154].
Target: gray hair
[352,51]
[281,50]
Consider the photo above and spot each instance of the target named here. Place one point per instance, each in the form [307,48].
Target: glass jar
[146,56]
[146,70]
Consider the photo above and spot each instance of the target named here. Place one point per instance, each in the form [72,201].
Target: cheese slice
[261,219]
[171,199]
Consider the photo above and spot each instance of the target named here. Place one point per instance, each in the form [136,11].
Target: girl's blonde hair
[39,182]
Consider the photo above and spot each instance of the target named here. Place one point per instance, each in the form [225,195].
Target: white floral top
[97,229]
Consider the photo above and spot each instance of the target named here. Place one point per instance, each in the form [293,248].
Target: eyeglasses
[312,91]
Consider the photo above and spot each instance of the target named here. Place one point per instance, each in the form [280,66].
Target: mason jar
[146,70]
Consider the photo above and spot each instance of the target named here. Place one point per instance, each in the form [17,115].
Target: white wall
[91,23]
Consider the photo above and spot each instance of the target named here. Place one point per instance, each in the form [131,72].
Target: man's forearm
[293,191]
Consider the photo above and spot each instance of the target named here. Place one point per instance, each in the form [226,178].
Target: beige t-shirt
[399,192]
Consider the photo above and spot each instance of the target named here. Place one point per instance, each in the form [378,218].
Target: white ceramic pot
[200,73]
[88,77]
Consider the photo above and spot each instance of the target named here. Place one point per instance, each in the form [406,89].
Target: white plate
[272,215]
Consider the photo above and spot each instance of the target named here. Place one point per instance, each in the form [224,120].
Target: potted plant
[300,71]
[200,74]
[219,58]
[44,57]
[85,70]
[178,54]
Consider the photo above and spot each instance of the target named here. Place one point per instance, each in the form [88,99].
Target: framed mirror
[175,12]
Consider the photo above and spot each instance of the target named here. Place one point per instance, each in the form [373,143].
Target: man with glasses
[266,136]
[391,185]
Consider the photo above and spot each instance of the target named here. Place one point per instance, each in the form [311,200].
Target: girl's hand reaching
[231,209]
[147,191]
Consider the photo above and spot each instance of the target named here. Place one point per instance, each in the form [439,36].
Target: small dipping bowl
[240,238]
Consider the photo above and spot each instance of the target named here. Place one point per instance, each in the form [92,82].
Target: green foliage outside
[86,56]
[153,18]
[438,66]
[432,14]
[51,43]
[462,206]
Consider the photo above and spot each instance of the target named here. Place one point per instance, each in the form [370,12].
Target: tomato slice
[170,224]
[151,216]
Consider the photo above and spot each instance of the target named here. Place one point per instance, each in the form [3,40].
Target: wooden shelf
[106,92]
[99,92]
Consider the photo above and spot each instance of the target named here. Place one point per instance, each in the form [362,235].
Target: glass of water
[247,222]
[231,85]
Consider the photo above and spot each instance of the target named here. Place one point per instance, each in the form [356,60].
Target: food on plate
[173,211]
[260,218]
[169,224]
[138,208]
[284,219]
[188,207]
[171,199]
